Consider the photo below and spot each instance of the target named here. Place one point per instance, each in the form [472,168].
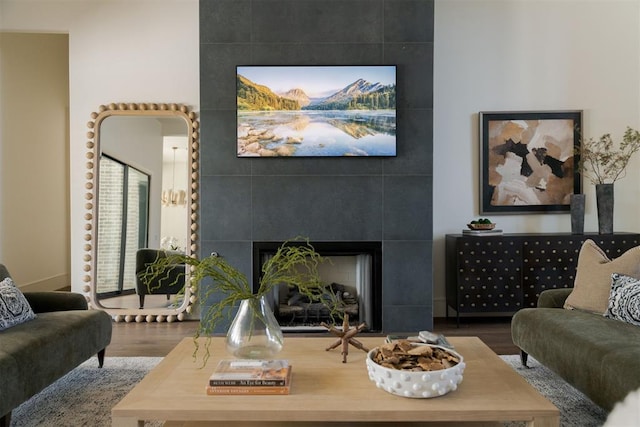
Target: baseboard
[439,307]
[56,283]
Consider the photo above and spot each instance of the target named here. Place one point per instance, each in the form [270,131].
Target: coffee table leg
[126,422]
[544,422]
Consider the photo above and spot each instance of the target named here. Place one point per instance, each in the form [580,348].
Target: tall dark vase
[577,213]
[604,202]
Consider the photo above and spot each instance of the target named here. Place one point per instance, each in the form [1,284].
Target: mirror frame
[91,206]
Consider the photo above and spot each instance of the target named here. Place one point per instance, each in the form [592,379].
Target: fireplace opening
[354,276]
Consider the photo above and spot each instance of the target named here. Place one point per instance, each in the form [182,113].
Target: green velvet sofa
[596,355]
[36,353]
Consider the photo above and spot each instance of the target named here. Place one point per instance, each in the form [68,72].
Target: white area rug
[576,410]
[85,396]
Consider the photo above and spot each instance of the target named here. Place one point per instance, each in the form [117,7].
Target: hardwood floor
[158,339]
[495,331]
[148,339]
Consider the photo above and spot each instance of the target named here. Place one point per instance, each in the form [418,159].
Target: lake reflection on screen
[310,133]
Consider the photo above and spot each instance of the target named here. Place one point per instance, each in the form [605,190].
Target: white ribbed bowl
[418,385]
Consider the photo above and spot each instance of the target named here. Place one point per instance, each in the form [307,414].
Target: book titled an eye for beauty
[247,376]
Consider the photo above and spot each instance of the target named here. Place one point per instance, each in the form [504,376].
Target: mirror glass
[142,180]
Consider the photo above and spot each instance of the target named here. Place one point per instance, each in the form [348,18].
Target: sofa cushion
[14,307]
[624,299]
[596,355]
[46,348]
[592,284]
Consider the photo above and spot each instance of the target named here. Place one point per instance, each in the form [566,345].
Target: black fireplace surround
[329,249]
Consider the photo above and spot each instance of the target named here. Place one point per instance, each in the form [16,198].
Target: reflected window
[123,209]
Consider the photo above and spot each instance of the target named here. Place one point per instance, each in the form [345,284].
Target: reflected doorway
[124,207]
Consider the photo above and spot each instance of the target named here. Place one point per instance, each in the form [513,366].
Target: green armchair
[168,284]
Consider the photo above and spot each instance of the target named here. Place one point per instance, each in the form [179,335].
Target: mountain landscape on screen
[316,111]
[359,95]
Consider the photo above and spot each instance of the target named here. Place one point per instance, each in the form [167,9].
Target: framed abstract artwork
[527,161]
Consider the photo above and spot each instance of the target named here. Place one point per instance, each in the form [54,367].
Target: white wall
[174,218]
[119,51]
[34,159]
[497,55]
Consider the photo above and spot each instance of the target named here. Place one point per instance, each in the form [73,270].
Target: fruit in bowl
[415,370]
[481,224]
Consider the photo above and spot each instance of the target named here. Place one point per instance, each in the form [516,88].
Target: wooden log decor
[346,337]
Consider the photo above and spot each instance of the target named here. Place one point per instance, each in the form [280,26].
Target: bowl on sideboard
[481,226]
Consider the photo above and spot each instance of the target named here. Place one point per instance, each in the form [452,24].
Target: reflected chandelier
[173,197]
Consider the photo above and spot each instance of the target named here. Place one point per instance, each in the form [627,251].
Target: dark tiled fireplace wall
[326,199]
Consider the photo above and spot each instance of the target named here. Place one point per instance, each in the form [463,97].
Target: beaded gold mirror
[142,174]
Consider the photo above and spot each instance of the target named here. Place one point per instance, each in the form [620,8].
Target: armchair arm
[553,298]
[42,302]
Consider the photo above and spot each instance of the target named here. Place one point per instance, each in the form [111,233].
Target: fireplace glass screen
[352,276]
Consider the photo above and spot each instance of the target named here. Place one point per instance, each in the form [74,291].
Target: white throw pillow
[14,307]
[624,300]
[625,413]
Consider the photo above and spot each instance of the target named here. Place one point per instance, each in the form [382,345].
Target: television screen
[316,111]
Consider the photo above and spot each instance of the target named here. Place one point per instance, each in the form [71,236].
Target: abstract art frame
[527,161]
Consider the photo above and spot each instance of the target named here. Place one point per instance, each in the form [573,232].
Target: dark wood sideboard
[502,274]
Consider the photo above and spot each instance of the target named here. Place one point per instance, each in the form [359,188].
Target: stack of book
[249,376]
[493,232]
[423,337]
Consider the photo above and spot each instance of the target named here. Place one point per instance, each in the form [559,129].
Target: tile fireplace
[387,200]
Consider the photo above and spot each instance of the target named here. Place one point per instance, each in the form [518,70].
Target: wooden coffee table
[326,391]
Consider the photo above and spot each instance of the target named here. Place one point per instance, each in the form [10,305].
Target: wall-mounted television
[316,111]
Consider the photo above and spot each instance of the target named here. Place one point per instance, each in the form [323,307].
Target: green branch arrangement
[601,163]
[294,264]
